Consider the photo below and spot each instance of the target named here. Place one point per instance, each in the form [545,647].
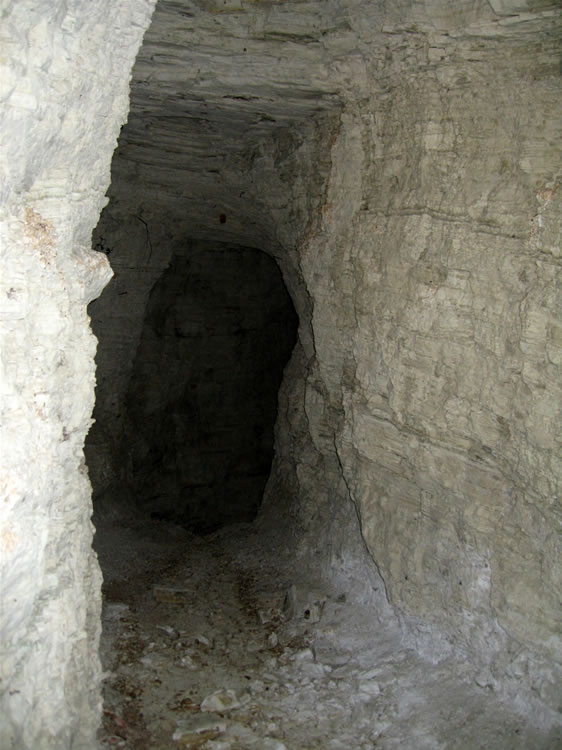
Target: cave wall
[64,92]
[419,236]
[435,382]
[415,217]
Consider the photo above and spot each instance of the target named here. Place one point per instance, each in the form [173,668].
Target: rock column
[64,93]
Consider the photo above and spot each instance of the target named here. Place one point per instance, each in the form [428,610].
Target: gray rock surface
[402,164]
[401,161]
[64,89]
[444,375]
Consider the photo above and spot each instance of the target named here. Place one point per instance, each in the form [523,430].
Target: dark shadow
[201,404]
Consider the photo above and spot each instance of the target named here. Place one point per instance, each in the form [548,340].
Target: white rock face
[450,400]
[403,165]
[64,95]
[448,313]
[402,162]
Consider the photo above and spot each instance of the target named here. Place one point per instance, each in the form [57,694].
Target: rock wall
[435,381]
[64,93]
[401,162]
[267,197]
[419,236]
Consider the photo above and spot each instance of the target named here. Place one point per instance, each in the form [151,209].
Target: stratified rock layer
[403,166]
[446,373]
[64,93]
[402,163]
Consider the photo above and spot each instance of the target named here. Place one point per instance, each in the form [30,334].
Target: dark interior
[201,401]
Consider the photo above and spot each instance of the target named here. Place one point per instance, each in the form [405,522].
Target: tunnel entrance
[202,399]
[194,434]
[210,170]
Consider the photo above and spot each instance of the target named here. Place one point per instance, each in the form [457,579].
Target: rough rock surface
[441,271]
[201,651]
[64,94]
[403,164]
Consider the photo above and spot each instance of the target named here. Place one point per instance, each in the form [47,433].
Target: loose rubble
[225,652]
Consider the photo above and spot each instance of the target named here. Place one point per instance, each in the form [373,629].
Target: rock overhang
[218,86]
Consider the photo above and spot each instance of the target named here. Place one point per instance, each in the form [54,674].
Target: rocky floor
[207,645]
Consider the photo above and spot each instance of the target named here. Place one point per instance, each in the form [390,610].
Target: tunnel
[280,367]
[213,184]
[196,437]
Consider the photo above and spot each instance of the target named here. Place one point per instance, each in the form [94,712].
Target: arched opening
[193,440]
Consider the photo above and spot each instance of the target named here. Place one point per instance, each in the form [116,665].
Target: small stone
[304,655]
[273,640]
[220,701]
[264,617]
[202,640]
[315,671]
[192,730]
[370,687]
[168,630]
[187,662]
[325,652]
[271,744]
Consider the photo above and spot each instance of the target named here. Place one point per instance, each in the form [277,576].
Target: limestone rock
[221,701]
[64,96]
[194,728]
[401,163]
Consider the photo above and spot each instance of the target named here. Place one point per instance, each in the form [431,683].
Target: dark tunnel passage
[214,192]
[202,399]
[337,538]
[265,165]
[195,440]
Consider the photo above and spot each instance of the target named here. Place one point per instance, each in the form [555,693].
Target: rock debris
[207,645]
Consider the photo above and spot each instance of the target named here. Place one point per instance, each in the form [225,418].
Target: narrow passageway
[218,643]
[299,513]
[280,347]
[192,436]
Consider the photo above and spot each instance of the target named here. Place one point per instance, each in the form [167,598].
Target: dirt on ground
[207,644]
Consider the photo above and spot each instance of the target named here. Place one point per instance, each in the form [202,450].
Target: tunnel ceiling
[240,67]
[217,79]
[217,82]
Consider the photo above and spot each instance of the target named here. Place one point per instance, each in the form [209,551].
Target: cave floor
[201,649]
